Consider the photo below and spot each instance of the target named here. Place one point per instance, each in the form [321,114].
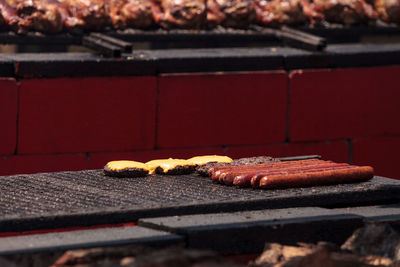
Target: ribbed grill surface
[90,192]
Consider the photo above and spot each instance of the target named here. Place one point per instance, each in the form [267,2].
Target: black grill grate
[66,199]
[334,32]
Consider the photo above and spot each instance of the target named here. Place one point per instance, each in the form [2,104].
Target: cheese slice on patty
[126,164]
[200,160]
[166,164]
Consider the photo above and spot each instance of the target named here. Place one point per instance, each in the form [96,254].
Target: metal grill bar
[335,33]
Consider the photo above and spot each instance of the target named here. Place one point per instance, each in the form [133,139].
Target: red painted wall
[347,115]
[8,116]
[221,109]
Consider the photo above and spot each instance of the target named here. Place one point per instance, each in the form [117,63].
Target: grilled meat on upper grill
[130,13]
[93,13]
[183,14]
[2,20]
[4,16]
[8,15]
[277,12]
[52,16]
[8,9]
[71,23]
[44,15]
[347,12]
[48,16]
[230,13]
[388,10]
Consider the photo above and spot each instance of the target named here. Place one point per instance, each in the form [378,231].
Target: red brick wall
[347,115]
[360,106]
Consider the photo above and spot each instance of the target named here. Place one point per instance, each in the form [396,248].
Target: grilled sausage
[308,171]
[253,178]
[215,171]
[346,175]
[244,180]
[229,173]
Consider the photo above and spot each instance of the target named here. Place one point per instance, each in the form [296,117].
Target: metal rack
[114,43]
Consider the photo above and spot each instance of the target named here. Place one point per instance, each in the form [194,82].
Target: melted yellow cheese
[126,164]
[200,160]
[166,164]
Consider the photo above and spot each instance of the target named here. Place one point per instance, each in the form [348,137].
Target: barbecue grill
[222,49]
[84,198]
[187,206]
[69,199]
[48,212]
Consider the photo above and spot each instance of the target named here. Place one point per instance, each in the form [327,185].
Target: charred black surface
[64,199]
[126,172]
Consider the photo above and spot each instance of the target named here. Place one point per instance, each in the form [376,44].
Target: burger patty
[127,172]
[178,170]
[203,169]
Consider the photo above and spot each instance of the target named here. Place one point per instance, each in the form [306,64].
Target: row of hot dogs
[53,16]
[290,174]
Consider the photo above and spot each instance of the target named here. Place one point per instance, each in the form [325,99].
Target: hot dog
[272,163]
[253,178]
[228,176]
[290,174]
[345,175]
[214,173]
